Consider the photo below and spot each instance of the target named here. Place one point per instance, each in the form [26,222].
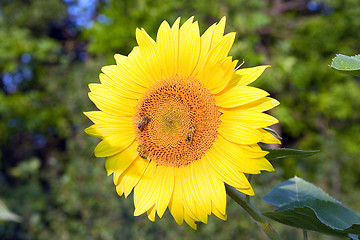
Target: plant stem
[253,211]
[305,234]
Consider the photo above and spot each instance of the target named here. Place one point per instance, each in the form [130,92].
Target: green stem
[305,234]
[253,211]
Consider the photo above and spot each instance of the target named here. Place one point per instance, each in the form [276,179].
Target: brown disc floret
[176,121]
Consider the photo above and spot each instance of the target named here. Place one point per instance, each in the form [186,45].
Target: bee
[144,120]
[142,151]
[190,134]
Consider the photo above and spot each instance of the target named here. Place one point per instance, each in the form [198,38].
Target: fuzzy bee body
[144,120]
[142,151]
[190,134]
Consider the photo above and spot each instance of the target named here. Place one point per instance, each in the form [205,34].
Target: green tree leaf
[6,214]
[318,215]
[303,205]
[349,64]
[295,189]
[287,152]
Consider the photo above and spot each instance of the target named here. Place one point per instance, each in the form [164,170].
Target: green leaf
[295,189]
[287,152]
[348,64]
[318,215]
[6,214]
[303,205]
[353,236]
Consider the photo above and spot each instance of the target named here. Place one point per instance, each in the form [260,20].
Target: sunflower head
[177,122]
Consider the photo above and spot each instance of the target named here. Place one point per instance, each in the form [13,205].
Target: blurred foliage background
[50,50]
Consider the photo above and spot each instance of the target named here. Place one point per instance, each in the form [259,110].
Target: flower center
[176,121]
[171,121]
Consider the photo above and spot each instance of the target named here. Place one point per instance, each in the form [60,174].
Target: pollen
[181,124]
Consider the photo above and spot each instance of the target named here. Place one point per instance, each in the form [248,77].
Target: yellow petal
[176,206]
[102,130]
[117,88]
[237,133]
[165,188]
[201,183]
[244,77]
[144,63]
[106,124]
[132,175]
[238,96]
[149,60]
[190,196]
[219,31]
[110,103]
[263,164]
[235,155]
[151,213]
[217,188]
[166,50]
[252,119]
[249,191]
[116,176]
[234,80]
[212,36]
[119,188]
[186,201]
[175,36]
[252,150]
[144,197]
[134,53]
[94,131]
[176,24]
[144,40]
[114,144]
[187,198]
[215,77]
[268,138]
[262,104]
[205,44]
[216,54]
[217,213]
[249,75]
[190,221]
[121,161]
[203,217]
[135,67]
[99,117]
[227,173]
[189,48]
[221,49]
[194,188]
[121,77]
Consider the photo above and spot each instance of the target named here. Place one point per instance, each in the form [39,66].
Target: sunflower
[178,122]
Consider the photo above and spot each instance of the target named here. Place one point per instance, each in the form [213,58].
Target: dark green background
[48,174]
